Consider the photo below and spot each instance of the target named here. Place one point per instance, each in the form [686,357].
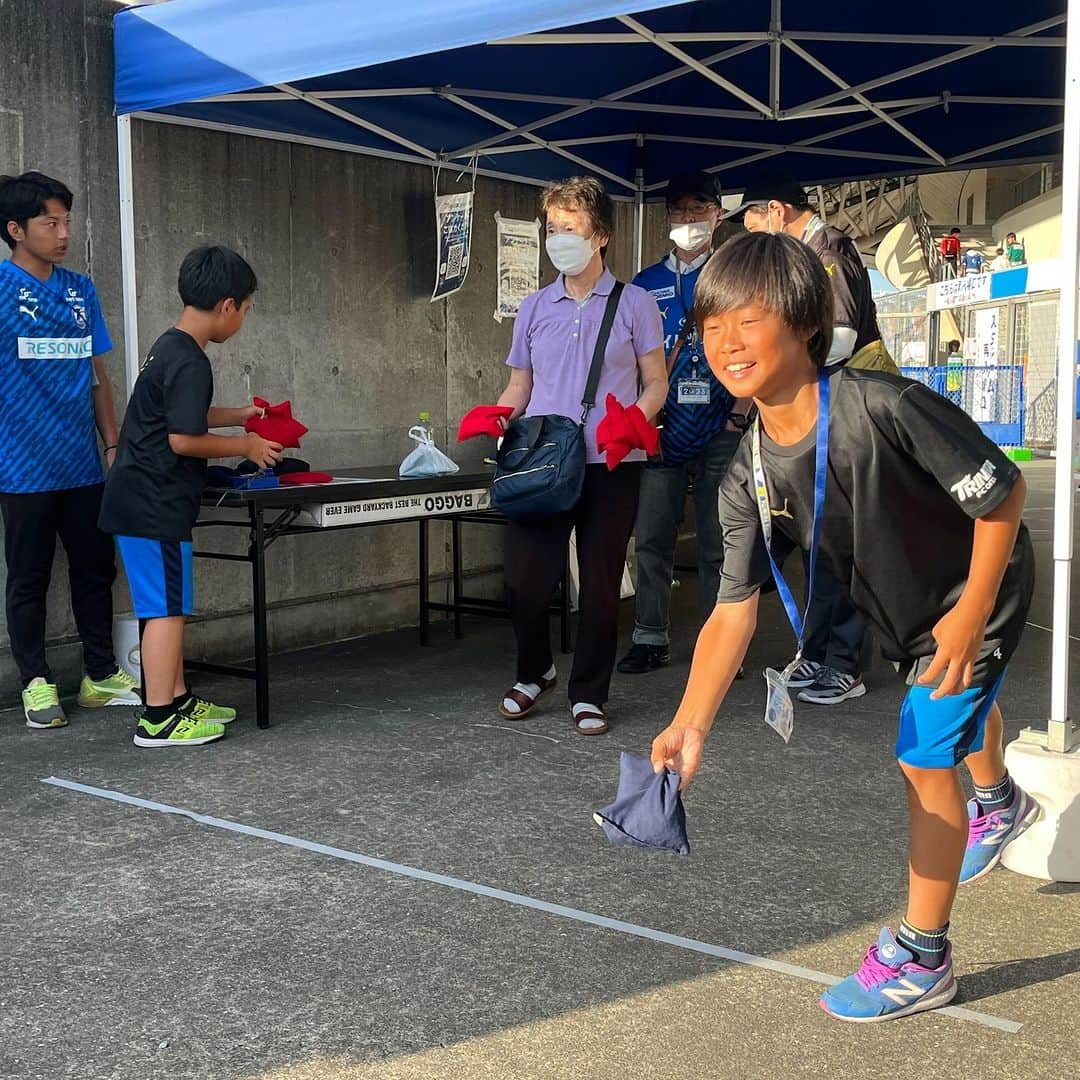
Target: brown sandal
[590,714]
[523,701]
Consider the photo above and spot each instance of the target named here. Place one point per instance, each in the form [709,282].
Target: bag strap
[593,381]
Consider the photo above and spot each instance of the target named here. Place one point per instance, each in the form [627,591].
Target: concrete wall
[1037,224]
[343,247]
[55,115]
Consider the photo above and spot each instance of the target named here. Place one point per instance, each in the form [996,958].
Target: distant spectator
[950,253]
[954,352]
[973,261]
[1000,261]
[1015,250]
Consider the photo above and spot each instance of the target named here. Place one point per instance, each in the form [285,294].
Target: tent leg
[1047,764]
[1061,734]
[127,250]
[639,207]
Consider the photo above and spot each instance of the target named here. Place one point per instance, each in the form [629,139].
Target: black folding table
[358,498]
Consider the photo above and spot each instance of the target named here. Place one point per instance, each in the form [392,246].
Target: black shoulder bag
[540,467]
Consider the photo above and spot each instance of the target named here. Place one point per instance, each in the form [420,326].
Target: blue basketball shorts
[159,574]
[940,734]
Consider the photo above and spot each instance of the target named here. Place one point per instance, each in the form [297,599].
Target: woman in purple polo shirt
[554,337]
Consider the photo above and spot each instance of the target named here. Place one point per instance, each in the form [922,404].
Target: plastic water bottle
[425,424]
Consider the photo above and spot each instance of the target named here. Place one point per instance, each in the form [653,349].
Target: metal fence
[991,394]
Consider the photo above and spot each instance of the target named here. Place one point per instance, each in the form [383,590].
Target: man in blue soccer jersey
[54,392]
[698,437]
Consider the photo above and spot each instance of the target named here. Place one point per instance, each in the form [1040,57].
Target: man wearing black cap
[831,671]
[780,204]
[697,439]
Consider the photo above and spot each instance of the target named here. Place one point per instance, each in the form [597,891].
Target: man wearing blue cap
[698,437]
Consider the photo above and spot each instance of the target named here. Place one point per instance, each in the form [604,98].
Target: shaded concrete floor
[136,944]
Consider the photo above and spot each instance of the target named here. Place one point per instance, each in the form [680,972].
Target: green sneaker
[118,689]
[206,711]
[176,730]
[41,705]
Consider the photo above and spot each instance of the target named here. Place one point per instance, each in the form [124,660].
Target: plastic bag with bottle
[425,459]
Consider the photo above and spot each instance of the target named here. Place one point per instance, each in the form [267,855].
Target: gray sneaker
[831,687]
[41,705]
[804,675]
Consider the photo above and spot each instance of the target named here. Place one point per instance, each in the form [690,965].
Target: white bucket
[126,645]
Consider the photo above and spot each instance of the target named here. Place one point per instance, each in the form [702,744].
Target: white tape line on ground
[734,955]
[1050,630]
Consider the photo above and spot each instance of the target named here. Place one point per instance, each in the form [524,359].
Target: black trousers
[31,525]
[536,561]
[835,629]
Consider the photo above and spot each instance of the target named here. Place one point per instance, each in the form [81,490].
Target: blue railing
[992,395]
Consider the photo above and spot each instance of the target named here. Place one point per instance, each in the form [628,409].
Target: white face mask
[692,235]
[569,253]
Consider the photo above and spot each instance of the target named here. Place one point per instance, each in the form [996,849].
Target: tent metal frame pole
[918,69]
[706,37]
[775,56]
[696,65]
[887,118]
[803,143]
[639,207]
[541,144]
[615,95]
[1053,129]
[1061,735]
[127,249]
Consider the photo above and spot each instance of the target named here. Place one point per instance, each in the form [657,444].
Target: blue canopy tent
[532,90]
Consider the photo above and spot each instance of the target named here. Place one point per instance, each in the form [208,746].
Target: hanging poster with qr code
[453,237]
[518,245]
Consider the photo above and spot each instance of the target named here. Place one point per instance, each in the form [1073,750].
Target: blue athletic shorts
[940,734]
[159,574]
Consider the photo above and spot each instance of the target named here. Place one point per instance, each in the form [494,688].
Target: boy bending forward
[153,491]
[922,521]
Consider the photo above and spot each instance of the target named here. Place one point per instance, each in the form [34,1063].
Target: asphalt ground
[141,944]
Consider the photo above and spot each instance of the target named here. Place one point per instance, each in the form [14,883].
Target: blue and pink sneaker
[988,834]
[890,984]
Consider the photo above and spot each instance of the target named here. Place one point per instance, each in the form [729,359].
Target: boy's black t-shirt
[908,474]
[151,491]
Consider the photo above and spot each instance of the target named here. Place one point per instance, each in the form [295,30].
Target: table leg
[459,576]
[424,584]
[258,588]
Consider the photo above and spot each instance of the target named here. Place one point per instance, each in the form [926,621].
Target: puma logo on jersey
[24,310]
[782,512]
[974,487]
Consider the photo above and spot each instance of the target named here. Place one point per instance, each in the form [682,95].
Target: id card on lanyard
[693,390]
[779,710]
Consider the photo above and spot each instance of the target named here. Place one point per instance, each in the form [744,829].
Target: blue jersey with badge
[698,406]
[49,333]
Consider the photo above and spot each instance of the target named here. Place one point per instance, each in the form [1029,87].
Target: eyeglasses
[692,212]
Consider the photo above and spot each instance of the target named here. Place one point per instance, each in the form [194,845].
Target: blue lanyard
[821,460]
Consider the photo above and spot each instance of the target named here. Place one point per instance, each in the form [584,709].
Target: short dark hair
[24,197]
[954,232]
[1008,234]
[209,275]
[779,273]
[587,194]
[954,345]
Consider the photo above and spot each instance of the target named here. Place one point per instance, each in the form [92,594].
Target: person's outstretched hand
[679,749]
[485,420]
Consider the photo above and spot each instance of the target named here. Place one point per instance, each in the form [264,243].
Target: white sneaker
[831,687]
